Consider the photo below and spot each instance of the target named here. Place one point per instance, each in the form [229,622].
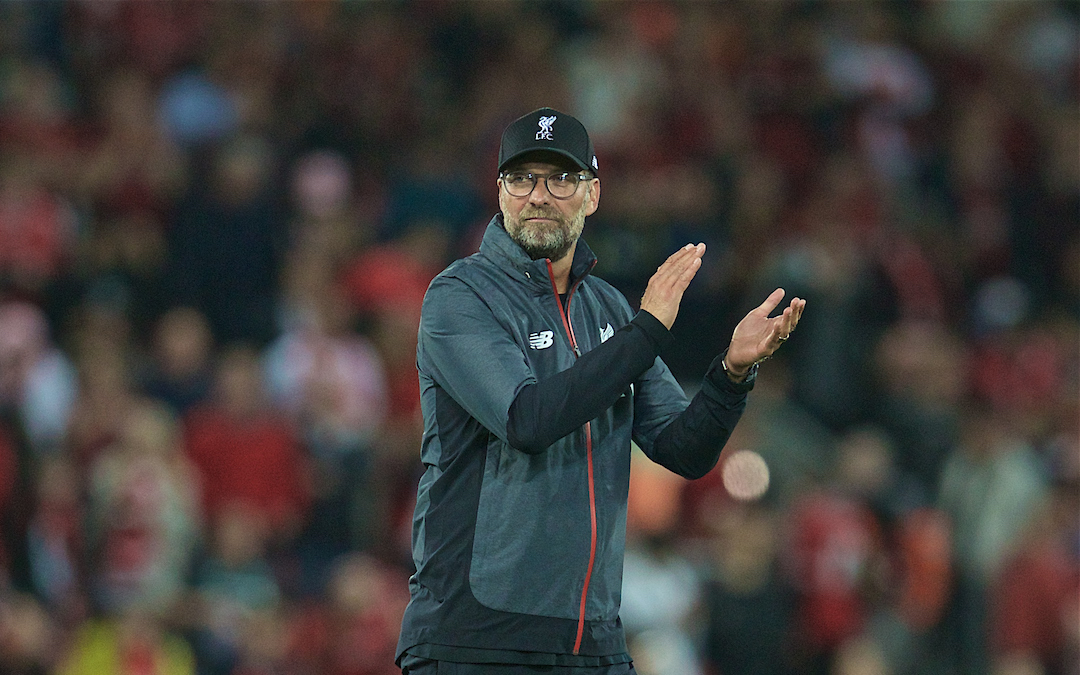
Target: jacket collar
[508,255]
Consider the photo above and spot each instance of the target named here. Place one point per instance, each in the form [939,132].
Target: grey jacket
[530,403]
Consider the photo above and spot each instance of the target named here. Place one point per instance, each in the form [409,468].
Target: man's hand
[666,287]
[758,335]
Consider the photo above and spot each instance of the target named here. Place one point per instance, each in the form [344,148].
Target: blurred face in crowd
[183,341]
[239,384]
[242,169]
[150,430]
[542,224]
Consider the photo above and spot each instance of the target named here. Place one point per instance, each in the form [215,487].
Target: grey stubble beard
[553,243]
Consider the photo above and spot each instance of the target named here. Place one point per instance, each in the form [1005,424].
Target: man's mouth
[541,216]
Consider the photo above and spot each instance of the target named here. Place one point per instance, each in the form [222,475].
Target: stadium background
[217,221]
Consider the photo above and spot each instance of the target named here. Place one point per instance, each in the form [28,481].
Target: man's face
[546,227]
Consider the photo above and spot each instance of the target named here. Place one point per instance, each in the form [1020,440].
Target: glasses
[560,185]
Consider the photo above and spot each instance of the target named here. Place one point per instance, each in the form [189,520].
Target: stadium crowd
[217,221]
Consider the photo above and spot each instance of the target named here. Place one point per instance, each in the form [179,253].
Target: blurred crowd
[217,221]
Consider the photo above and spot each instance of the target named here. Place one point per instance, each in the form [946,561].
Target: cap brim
[540,151]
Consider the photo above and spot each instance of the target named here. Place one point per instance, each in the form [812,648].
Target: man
[535,376]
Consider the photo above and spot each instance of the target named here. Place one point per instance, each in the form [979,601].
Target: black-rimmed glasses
[560,185]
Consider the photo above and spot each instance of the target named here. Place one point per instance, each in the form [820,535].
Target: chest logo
[541,340]
[545,129]
[606,332]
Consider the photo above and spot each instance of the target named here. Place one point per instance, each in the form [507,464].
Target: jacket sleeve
[467,351]
[689,442]
[545,411]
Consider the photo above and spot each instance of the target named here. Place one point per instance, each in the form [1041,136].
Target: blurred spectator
[834,554]
[330,382]
[990,488]
[39,127]
[180,368]
[159,36]
[355,631]
[867,65]
[908,583]
[328,221]
[264,644]
[131,167]
[385,285]
[829,260]
[37,379]
[661,588]
[226,242]
[1022,368]
[56,541]
[37,227]
[123,271]
[234,588]
[143,514]
[758,196]
[106,396]
[425,197]
[749,623]
[616,73]
[129,644]
[992,145]
[1035,598]
[919,373]
[860,657]
[27,636]
[247,454]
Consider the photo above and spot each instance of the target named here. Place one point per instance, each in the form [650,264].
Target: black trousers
[451,668]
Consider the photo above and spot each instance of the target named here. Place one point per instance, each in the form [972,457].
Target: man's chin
[540,251]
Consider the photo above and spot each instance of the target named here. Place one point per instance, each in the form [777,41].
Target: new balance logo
[541,340]
[606,332]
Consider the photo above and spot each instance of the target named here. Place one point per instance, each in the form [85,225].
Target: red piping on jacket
[588,457]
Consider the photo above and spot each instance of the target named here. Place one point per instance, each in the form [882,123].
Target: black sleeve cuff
[657,333]
[719,377]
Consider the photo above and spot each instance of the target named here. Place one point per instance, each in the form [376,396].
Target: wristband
[732,376]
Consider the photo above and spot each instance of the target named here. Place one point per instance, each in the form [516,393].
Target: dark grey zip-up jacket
[530,406]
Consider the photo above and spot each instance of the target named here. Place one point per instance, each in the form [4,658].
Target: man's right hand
[666,287]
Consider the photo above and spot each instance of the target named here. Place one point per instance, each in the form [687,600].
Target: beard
[548,240]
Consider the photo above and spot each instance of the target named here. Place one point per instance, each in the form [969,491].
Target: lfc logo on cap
[545,129]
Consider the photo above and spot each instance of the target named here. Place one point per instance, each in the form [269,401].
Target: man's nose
[540,193]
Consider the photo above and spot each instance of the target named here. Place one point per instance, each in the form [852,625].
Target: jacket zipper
[564,313]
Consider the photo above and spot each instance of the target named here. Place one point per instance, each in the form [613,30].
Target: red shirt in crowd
[255,462]
[834,542]
[1035,606]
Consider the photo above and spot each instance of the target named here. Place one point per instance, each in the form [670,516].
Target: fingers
[789,319]
[687,267]
[685,253]
[684,256]
[665,289]
[771,302]
[680,267]
[758,336]
[796,307]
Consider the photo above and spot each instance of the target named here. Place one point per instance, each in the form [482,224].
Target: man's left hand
[758,335]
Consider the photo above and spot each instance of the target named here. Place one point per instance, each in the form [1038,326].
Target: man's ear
[594,197]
